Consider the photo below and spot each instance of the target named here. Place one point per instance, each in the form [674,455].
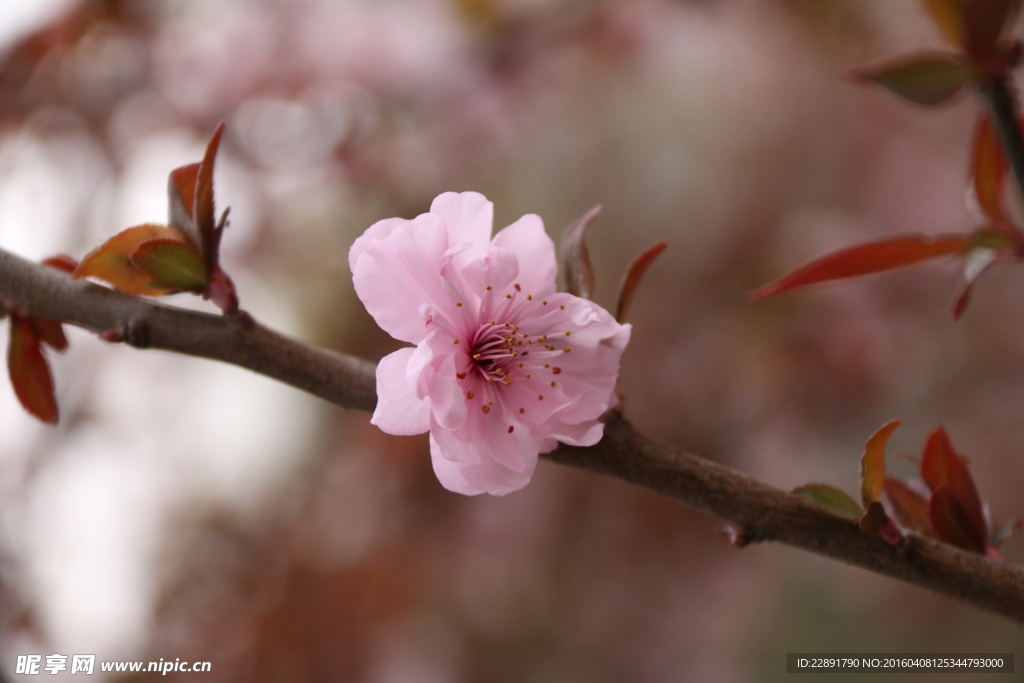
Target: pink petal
[447,402]
[376,232]
[398,277]
[399,411]
[535,252]
[497,269]
[484,474]
[469,217]
[582,434]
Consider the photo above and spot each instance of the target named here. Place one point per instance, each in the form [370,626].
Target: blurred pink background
[185,509]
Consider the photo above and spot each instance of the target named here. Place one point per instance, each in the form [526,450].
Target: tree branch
[763,512]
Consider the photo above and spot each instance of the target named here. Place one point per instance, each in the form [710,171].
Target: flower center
[508,348]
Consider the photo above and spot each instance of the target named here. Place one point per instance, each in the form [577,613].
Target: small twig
[761,511]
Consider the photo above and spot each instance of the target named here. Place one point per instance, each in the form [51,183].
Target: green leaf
[172,264]
[831,498]
[928,79]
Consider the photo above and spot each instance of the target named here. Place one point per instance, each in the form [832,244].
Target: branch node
[136,333]
[241,319]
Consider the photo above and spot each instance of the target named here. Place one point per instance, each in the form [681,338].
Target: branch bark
[763,512]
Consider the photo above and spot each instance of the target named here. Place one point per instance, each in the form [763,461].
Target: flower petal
[399,274]
[482,473]
[399,411]
[447,402]
[535,251]
[469,217]
[376,232]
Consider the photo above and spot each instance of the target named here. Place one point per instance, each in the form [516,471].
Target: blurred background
[185,509]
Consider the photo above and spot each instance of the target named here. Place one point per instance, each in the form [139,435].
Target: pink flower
[504,367]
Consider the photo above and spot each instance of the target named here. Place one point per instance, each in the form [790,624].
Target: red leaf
[190,196]
[989,167]
[973,25]
[50,332]
[181,197]
[30,374]
[938,450]
[911,507]
[203,213]
[928,79]
[61,262]
[579,274]
[863,259]
[950,17]
[111,261]
[872,465]
[633,275]
[951,522]
[941,466]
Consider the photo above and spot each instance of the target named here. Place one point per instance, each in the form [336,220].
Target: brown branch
[763,512]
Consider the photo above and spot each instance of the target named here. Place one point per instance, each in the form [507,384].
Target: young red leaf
[831,498]
[928,79]
[579,274]
[30,374]
[111,261]
[951,19]
[872,465]
[941,466]
[989,167]
[61,262]
[951,523]
[181,197]
[863,259]
[172,264]
[632,277]
[190,200]
[203,211]
[938,451]
[50,332]
[973,25]
[911,507]
[986,21]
